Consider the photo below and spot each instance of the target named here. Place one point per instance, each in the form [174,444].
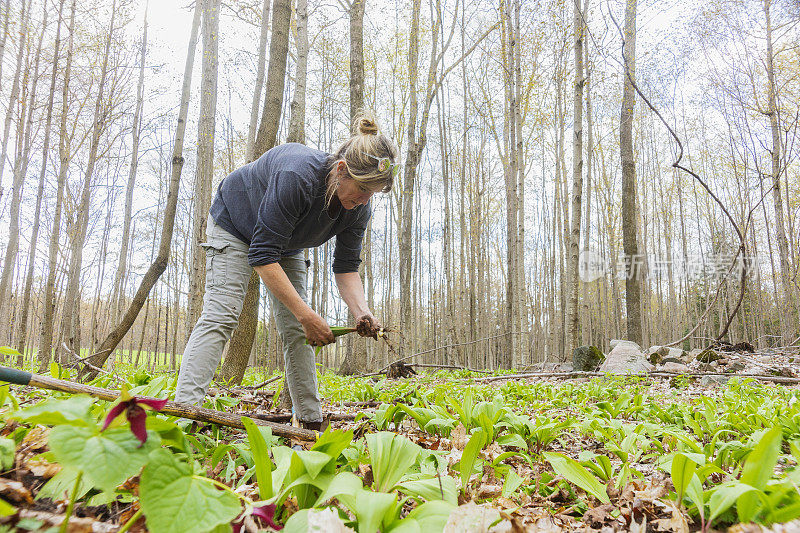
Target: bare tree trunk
[12,100]
[409,174]
[587,220]
[511,162]
[71,316]
[297,123]
[22,332]
[242,342]
[260,68]
[577,181]
[351,363]
[160,264]
[356,57]
[21,159]
[629,215]
[7,13]
[789,288]
[117,295]
[46,339]
[521,292]
[206,125]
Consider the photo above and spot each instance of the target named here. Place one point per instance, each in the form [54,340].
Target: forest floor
[441,451]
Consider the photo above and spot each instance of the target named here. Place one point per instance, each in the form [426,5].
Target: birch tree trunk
[160,263]
[629,215]
[242,342]
[46,338]
[205,156]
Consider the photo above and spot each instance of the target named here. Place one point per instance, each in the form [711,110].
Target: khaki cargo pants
[227,275]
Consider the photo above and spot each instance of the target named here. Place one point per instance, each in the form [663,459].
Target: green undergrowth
[704,457]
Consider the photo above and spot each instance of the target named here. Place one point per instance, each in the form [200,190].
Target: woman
[264,215]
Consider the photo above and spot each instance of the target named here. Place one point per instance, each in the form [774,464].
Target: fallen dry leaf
[598,516]
[15,492]
[326,521]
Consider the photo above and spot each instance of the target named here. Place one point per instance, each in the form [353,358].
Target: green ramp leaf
[370,508]
[470,455]
[682,471]
[432,488]
[724,497]
[758,469]
[576,473]
[175,501]
[432,516]
[391,456]
[258,445]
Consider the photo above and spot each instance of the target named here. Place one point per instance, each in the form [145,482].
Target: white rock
[615,342]
[678,368]
[626,358]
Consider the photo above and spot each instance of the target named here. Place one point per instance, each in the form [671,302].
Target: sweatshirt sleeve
[347,254]
[285,200]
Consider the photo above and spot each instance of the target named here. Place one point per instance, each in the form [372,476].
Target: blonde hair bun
[366,124]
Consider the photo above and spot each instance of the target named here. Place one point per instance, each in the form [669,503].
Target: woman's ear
[341,169]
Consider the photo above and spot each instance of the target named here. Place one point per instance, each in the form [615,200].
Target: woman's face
[350,193]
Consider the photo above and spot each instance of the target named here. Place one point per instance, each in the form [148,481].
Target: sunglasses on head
[384,163]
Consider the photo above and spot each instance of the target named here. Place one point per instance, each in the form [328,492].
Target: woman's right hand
[317,330]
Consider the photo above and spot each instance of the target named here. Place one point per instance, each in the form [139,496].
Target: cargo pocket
[216,263]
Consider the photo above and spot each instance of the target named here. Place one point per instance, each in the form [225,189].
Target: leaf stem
[71,504]
[223,486]
[132,520]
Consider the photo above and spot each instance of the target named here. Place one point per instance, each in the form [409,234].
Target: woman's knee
[225,319]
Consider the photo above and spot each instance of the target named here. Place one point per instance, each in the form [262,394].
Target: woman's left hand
[368,326]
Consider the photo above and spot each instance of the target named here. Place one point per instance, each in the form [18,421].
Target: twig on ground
[83,361]
[570,375]
[285,417]
[456,367]
[262,384]
[401,359]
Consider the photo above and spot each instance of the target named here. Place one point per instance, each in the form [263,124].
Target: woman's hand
[368,326]
[317,330]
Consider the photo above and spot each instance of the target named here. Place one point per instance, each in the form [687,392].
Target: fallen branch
[262,384]
[455,367]
[53,521]
[660,374]
[286,417]
[83,361]
[184,410]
